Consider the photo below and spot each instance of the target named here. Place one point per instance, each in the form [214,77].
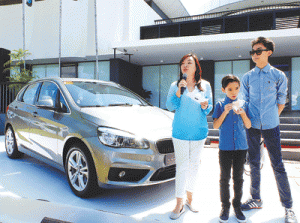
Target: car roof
[59,79]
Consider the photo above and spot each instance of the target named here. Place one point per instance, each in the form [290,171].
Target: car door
[23,109]
[45,127]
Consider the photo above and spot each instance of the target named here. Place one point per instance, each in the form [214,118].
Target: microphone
[184,76]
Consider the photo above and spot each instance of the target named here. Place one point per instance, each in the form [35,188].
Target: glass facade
[84,70]
[88,70]
[158,80]
[50,70]
[223,68]
[295,80]
[151,81]
[103,70]
[39,71]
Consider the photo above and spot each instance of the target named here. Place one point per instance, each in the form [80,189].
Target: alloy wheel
[9,141]
[78,170]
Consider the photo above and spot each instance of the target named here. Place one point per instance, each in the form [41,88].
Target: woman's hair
[229,79]
[198,71]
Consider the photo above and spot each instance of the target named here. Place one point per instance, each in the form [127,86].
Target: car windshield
[95,94]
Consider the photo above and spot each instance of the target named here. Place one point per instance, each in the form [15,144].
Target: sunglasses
[257,52]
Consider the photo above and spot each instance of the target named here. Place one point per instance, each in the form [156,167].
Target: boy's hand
[227,108]
[240,111]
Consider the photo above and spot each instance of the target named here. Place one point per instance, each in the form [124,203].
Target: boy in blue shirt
[265,88]
[231,117]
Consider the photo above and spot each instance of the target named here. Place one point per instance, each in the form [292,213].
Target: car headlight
[117,138]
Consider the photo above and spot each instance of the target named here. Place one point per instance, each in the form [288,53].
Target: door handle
[34,114]
[16,107]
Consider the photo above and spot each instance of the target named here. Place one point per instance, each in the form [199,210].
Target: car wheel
[11,144]
[81,171]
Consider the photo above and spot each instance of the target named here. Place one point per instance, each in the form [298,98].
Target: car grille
[165,146]
[164,173]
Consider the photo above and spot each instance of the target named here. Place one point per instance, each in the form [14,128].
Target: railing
[247,20]
[8,93]
[228,13]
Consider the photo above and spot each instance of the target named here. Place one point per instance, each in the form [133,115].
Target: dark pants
[272,141]
[236,160]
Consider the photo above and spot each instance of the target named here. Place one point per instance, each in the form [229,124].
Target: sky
[194,6]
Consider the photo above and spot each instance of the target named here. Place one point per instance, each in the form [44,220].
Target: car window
[48,91]
[30,93]
[89,94]
[63,103]
[21,93]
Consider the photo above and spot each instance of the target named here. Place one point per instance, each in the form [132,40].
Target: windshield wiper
[126,104]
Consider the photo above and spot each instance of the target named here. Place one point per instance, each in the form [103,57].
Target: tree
[19,72]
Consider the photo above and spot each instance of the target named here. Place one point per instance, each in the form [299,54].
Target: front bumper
[124,167]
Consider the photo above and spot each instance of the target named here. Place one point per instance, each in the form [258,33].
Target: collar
[228,100]
[265,69]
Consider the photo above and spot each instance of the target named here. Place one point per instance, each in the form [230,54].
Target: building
[139,43]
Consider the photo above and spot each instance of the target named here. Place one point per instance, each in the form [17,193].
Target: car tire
[80,171]
[11,146]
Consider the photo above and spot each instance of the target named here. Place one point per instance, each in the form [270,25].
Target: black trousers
[236,160]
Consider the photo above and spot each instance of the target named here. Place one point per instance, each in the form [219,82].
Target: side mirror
[46,102]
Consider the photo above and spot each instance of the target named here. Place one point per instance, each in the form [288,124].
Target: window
[94,94]
[158,80]
[223,68]
[295,80]
[69,71]
[21,93]
[39,71]
[48,92]
[63,103]
[30,93]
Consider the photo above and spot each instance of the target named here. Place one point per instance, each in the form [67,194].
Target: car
[99,133]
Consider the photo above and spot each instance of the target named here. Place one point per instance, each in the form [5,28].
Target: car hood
[145,121]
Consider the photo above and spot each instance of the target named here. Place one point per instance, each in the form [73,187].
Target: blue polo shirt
[190,121]
[232,131]
[264,89]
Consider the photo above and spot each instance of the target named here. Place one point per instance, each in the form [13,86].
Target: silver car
[99,133]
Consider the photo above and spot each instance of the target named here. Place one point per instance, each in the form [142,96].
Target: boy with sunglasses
[265,88]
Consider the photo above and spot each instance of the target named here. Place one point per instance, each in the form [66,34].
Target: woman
[191,98]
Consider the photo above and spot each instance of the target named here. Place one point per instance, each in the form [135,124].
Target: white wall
[141,14]
[118,20]
[11,27]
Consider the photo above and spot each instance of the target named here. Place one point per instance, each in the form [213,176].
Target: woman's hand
[181,84]
[204,105]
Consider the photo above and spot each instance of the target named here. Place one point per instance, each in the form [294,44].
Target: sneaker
[252,204]
[239,215]
[290,216]
[224,215]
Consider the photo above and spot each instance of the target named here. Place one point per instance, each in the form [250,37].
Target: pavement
[31,192]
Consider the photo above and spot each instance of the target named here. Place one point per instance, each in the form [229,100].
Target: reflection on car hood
[145,121]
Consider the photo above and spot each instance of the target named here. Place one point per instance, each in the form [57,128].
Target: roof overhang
[231,46]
